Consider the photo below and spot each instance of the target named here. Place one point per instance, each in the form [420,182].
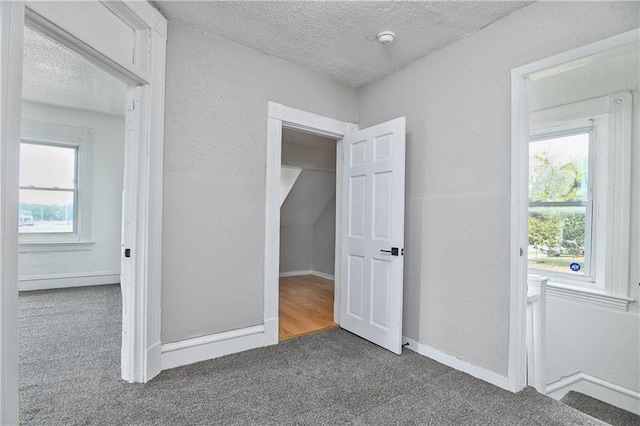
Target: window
[48,188]
[579,197]
[561,203]
[55,187]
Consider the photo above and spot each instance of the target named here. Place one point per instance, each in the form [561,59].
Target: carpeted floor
[70,376]
[601,410]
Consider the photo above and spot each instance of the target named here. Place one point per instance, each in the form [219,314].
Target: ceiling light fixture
[386,37]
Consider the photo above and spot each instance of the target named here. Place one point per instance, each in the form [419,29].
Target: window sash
[73,190]
[589,245]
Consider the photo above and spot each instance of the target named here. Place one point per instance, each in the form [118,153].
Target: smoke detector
[386,37]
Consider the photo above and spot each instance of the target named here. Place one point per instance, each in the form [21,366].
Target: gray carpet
[70,376]
[601,410]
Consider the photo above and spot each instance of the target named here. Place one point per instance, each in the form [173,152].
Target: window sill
[568,293]
[55,246]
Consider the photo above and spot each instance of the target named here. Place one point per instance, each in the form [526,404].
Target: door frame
[145,69]
[281,116]
[520,78]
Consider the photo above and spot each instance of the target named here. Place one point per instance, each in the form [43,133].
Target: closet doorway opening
[307,234]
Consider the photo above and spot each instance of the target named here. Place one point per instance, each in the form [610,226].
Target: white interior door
[373,233]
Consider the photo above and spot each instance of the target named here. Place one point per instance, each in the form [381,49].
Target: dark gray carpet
[601,410]
[70,376]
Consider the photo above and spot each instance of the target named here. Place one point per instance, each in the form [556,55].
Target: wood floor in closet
[306,305]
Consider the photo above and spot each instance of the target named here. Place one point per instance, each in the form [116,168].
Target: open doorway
[575,234]
[70,215]
[307,234]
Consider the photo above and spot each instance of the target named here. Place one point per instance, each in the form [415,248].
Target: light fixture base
[386,37]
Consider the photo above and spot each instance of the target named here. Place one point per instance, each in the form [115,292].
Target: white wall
[304,216]
[101,264]
[582,338]
[324,240]
[296,248]
[214,176]
[457,104]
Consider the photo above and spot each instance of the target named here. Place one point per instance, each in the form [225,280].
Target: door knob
[394,251]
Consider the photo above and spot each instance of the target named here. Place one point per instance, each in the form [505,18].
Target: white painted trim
[457,364]
[580,53]
[271,331]
[519,177]
[56,246]
[280,116]
[80,279]
[11,56]
[590,298]
[308,122]
[602,390]
[56,21]
[272,225]
[213,346]
[519,231]
[309,272]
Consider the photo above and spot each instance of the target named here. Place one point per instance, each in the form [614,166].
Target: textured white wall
[595,341]
[296,248]
[303,243]
[324,240]
[214,185]
[457,104]
[108,168]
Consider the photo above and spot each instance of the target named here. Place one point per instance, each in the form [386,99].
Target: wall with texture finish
[324,240]
[108,171]
[457,104]
[214,176]
[582,338]
[296,248]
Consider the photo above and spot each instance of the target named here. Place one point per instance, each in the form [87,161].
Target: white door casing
[11,42]
[373,183]
[127,39]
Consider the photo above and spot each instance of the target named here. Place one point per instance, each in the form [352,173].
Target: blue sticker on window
[575,267]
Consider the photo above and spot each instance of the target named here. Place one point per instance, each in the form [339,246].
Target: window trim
[612,208]
[82,138]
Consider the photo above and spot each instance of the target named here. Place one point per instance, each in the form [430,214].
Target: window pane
[46,211]
[557,239]
[558,168]
[47,166]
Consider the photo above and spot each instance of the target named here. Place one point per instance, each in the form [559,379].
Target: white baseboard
[80,279]
[322,275]
[309,272]
[453,362]
[295,273]
[213,346]
[271,331]
[608,392]
[154,358]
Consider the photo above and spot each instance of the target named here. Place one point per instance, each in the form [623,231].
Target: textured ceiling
[338,39]
[54,75]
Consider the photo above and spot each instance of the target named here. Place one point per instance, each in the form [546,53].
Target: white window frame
[82,139]
[576,127]
[611,118]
